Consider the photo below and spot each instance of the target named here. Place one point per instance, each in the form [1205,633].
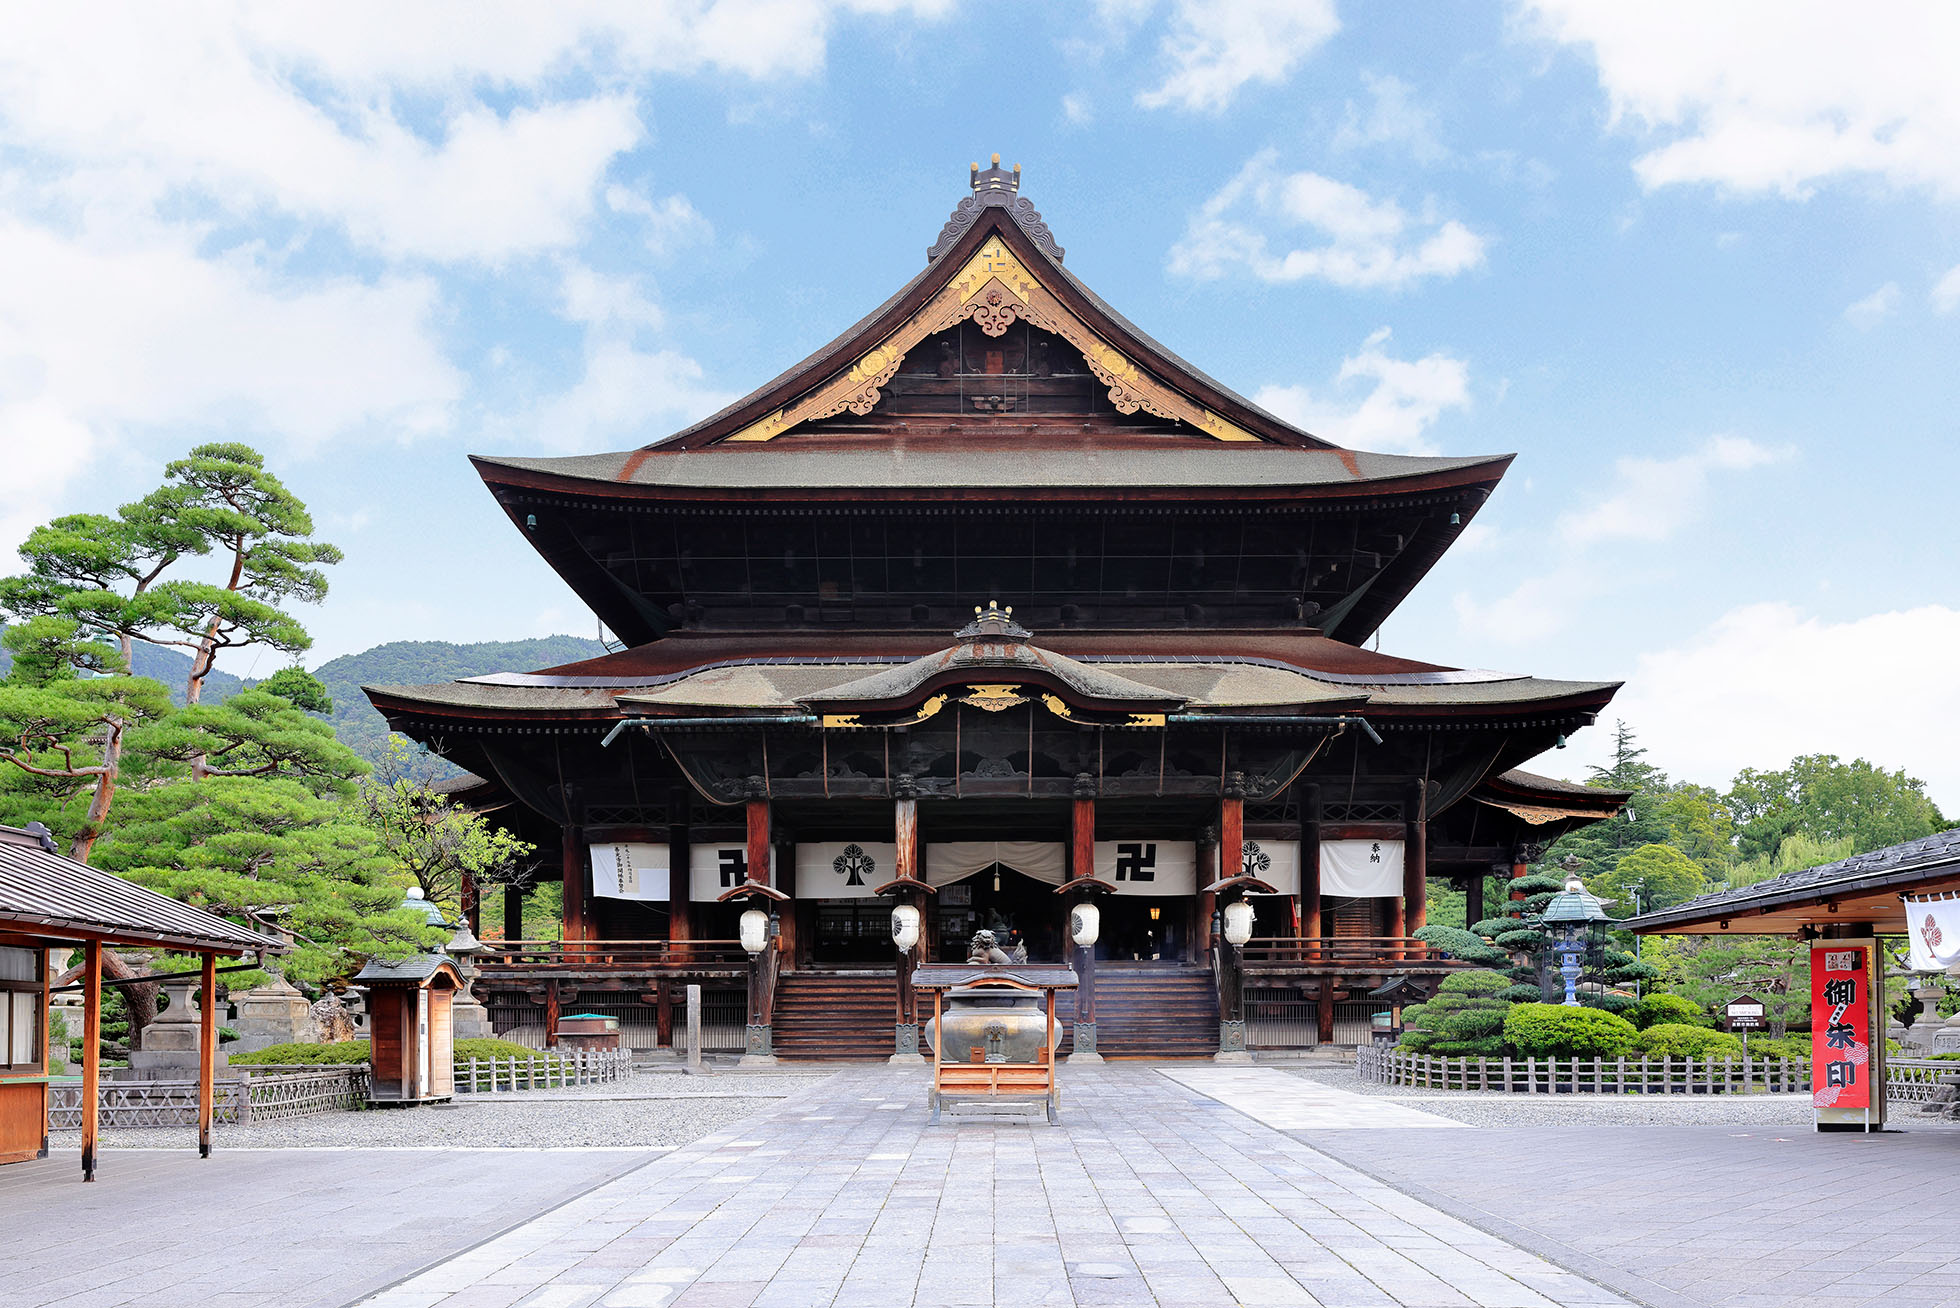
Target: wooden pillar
[1473,899]
[905,831]
[663,1014]
[790,913]
[572,865]
[757,813]
[1520,867]
[680,876]
[1324,1012]
[91,1051]
[513,913]
[1310,866]
[552,1012]
[1082,863]
[1231,836]
[1206,905]
[207,1054]
[1415,866]
[471,904]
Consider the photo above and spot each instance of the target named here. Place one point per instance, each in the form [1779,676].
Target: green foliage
[301,1053]
[1661,1008]
[1820,796]
[1458,943]
[1522,993]
[1652,876]
[1678,1039]
[1464,1019]
[1543,1030]
[486,1047]
[254,734]
[1709,971]
[433,839]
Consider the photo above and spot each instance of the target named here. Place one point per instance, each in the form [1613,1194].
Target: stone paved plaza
[1177,1184]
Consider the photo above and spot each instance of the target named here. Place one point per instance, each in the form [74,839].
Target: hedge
[1659,1008]
[1555,1030]
[356,1051]
[1678,1039]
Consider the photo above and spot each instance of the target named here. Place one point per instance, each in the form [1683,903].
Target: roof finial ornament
[992,621]
[995,187]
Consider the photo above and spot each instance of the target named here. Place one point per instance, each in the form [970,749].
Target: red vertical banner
[1840,1025]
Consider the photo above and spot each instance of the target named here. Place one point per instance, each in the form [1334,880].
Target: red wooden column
[757,812]
[1310,867]
[207,1054]
[905,831]
[91,1051]
[571,863]
[1206,905]
[1231,836]
[471,904]
[1415,868]
[1082,863]
[680,904]
[1520,868]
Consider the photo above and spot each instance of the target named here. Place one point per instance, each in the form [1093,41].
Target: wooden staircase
[1156,1012]
[835,1015]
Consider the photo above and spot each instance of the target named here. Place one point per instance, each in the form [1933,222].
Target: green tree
[1712,970]
[1656,875]
[434,839]
[1465,1019]
[1825,798]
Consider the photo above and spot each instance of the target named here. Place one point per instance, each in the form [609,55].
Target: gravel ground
[1478,1108]
[659,1109]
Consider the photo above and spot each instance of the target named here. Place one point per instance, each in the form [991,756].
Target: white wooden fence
[543,1071]
[1919,1080]
[1665,1075]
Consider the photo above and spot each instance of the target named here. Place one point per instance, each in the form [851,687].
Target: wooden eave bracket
[1092,885]
[902,884]
[752,890]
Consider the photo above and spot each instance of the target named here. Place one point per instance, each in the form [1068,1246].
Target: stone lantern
[1576,919]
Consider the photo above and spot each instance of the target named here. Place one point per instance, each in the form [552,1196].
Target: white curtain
[1933,928]
[1276,862]
[1045,861]
[712,869]
[629,871]
[1361,869]
[1149,867]
[844,869]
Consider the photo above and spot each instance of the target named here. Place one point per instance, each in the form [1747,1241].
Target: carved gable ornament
[994,289]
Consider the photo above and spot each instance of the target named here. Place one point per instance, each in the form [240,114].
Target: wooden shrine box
[588,1031]
[409,1020]
[1025,1068]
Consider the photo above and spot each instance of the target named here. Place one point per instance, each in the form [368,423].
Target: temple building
[995,607]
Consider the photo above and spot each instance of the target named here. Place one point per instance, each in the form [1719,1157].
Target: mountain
[171,667]
[414,662]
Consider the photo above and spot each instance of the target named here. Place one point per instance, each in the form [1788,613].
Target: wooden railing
[1650,1076]
[543,1071]
[626,957]
[261,1094]
[1346,954]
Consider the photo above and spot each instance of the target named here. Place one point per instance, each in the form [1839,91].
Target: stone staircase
[1156,1012]
[836,1015]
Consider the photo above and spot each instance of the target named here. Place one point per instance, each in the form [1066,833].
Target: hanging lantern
[1238,922]
[1084,924]
[755,930]
[905,928]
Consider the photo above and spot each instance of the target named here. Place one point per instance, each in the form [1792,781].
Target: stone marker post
[694,1028]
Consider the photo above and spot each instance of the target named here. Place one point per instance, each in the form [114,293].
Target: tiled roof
[1844,878]
[47,893]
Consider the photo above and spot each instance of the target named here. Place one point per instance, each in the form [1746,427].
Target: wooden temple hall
[991,608]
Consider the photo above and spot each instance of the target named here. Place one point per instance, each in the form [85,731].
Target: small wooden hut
[410,1021]
[49,902]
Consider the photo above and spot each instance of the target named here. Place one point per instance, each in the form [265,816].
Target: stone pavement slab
[1147,1193]
[288,1228]
[1291,1103]
[1719,1217]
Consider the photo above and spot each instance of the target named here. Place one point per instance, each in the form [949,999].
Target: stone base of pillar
[758,1048]
[1084,1050]
[1231,1043]
[906,1047]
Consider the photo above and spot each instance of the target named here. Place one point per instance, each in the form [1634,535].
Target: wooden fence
[255,1095]
[1665,1075]
[1919,1080]
[543,1071]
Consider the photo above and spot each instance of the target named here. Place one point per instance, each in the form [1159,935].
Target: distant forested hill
[414,662]
[171,667]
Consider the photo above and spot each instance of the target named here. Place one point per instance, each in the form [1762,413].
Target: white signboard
[1276,862]
[1361,869]
[1148,867]
[711,869]
[629,871]
[845,869]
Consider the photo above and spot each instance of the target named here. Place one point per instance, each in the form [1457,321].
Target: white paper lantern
[755,930]
[1084,924]
[905,928]
[1238,922]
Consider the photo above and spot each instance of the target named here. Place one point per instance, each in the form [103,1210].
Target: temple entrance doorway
[1144,929]
[1001,900]
[852,931]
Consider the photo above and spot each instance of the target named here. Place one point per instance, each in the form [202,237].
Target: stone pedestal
[1946,1036]
[1084,1048]
[1231,1043]
[906,1044]
[470,1019]
[169,1051]
[758,1048]
[272,1014]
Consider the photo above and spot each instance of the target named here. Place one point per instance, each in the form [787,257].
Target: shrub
[1458,943]
[1553,1029]
[300,1053]
[1659,1008]
[1678,1039]
[1465,1019]
[485,1047]
[1791,1047]
[1522,992]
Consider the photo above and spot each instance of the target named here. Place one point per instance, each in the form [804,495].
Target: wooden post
[572,864]
[1082,863]
[789,914]
[513,913]
[552,1012]
[757,813]
[91,1051]
[207,1053]
[1231,836]
[471,903]
[1310,868]
[680,904]
[1206,905]
[905,830]
[1415,865]
[694,1027]
[663,1015]
[1324,1012]
[1473,899]
[1519,868]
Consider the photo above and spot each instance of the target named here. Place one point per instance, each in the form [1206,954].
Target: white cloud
[672,223]
[1533,609]
[594,300]
[1946,291]
[1078,109]
[1405,399]
[625,397]
[1355,239]
[1777,95]
[1216,47]
[1393,117]
[1745,692]
[1875,308]
[1653,498]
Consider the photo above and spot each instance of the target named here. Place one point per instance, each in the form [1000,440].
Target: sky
[1698,266]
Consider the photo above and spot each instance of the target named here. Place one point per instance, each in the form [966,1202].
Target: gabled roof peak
[996,188]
